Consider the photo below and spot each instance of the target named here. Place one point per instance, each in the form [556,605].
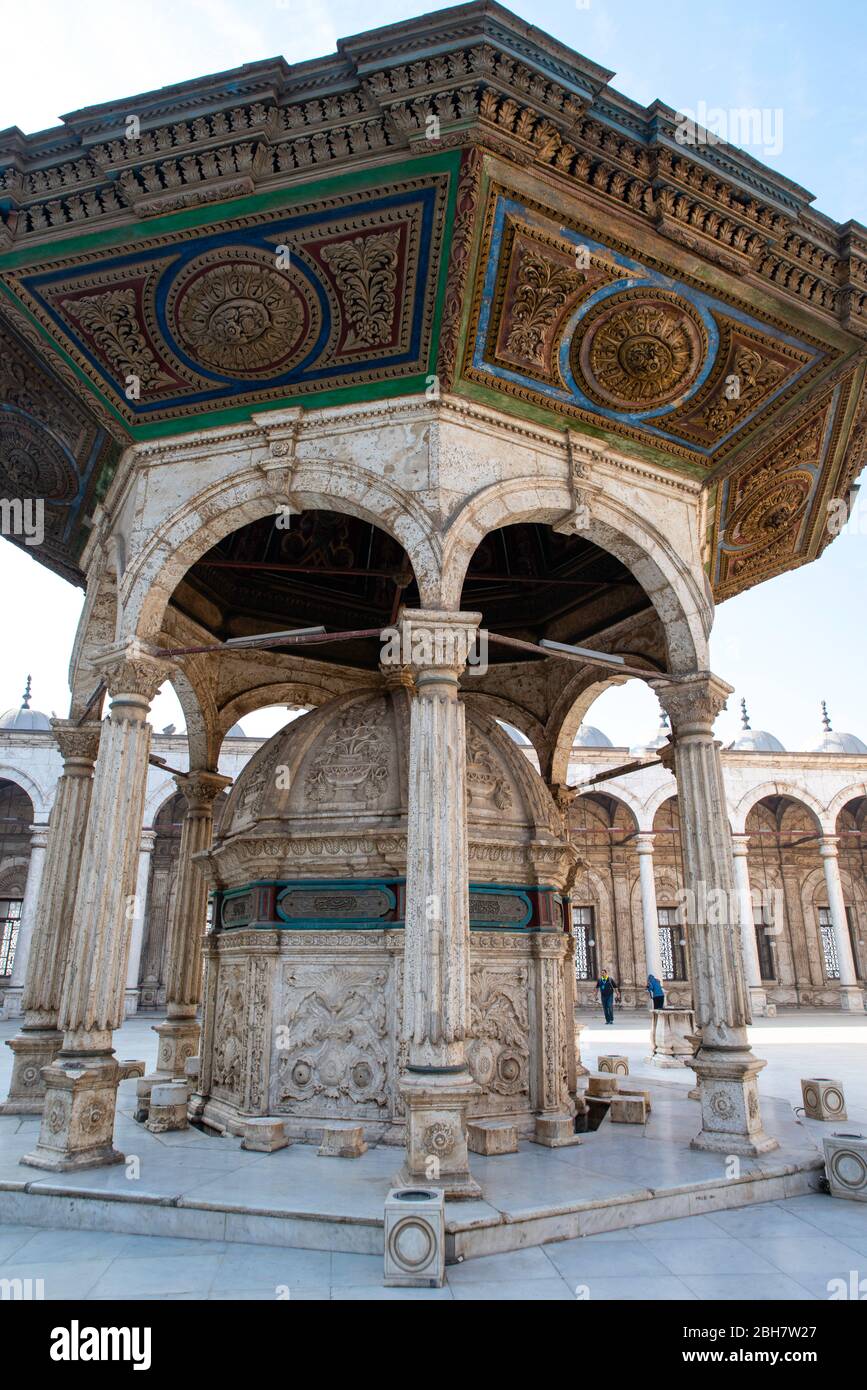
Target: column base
[555,1131]
[179,1040]
[758,1001]
[130,1002]
[731,1120]
[78,1115]
[31,1051]
[851,999]
[436,1132]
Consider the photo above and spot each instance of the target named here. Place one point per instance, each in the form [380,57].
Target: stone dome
[835,742]
[755,740]
[329,792]
[24,718]
[588,737]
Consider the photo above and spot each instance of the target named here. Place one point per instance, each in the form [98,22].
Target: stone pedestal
[724,1064]
[846,1165]
[81,1084]
[823,1099]
[342,1141]
[265,1136]
[580,1069]
[168,1107]
[415,1238]
[492,1138]
[78,1116]
[39,1040]
[436,1085]
[670,1037]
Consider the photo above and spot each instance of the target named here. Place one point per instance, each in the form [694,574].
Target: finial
[745,718]
[25,703]
[826,718]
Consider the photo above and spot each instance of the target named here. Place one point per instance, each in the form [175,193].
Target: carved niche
[230,1032]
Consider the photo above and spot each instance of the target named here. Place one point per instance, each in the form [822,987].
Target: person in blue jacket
[656,992]
[608,988]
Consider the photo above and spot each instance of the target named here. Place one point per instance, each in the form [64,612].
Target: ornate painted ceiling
[458,195]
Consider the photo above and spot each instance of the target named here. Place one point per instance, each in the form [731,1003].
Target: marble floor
[790,1250]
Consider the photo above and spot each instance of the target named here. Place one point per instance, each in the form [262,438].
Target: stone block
[645,1096]
[555,1131]
[602,1085]
[345,1141]
[264,1136]
[168,1107]
[191,1071]
[628,1110]
[613,1062]
[846,1165]
[415,1238]
[129,1068]
[823,1099]
[492,1139]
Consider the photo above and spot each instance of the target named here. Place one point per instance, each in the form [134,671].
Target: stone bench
[627,1110]
[264,1136]
[342,1141]
[492,1137]
[168,1107]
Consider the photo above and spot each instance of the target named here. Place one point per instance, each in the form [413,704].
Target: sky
[785,645]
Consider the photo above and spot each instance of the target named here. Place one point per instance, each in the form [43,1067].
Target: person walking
[656,992]
[608,990]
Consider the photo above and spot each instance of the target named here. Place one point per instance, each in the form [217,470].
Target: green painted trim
[448,160]
[231,208]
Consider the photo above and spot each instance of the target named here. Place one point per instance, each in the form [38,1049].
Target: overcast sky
[785,645]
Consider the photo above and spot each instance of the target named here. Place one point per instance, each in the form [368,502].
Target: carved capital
[78,743]
[200,789]
[434,645]
[132,669]
[692,702]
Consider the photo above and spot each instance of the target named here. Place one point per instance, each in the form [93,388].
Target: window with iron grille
[672,944]
[765,947]
[10,916]
[583,919]
[829,945]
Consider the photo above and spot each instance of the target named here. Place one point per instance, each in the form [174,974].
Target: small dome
[835,742]
[588,737]
[25,718]
[342,770]
[663,736]
[755,740]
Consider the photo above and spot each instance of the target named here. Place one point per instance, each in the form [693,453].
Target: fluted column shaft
[179,1035]
[81,1084]
[649,911]
[133,964]
[29,917]
[851,997]
[39,1040]
[752,965]
[725,1064]
[436,1084]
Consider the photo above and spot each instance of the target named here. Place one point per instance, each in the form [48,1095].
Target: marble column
[13,1005]
[81,1083]
[39,1039]
[851,996]
[436,1084]
[649,911]
[752,965]
[133,969]
[179,1035]
[725,1064]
